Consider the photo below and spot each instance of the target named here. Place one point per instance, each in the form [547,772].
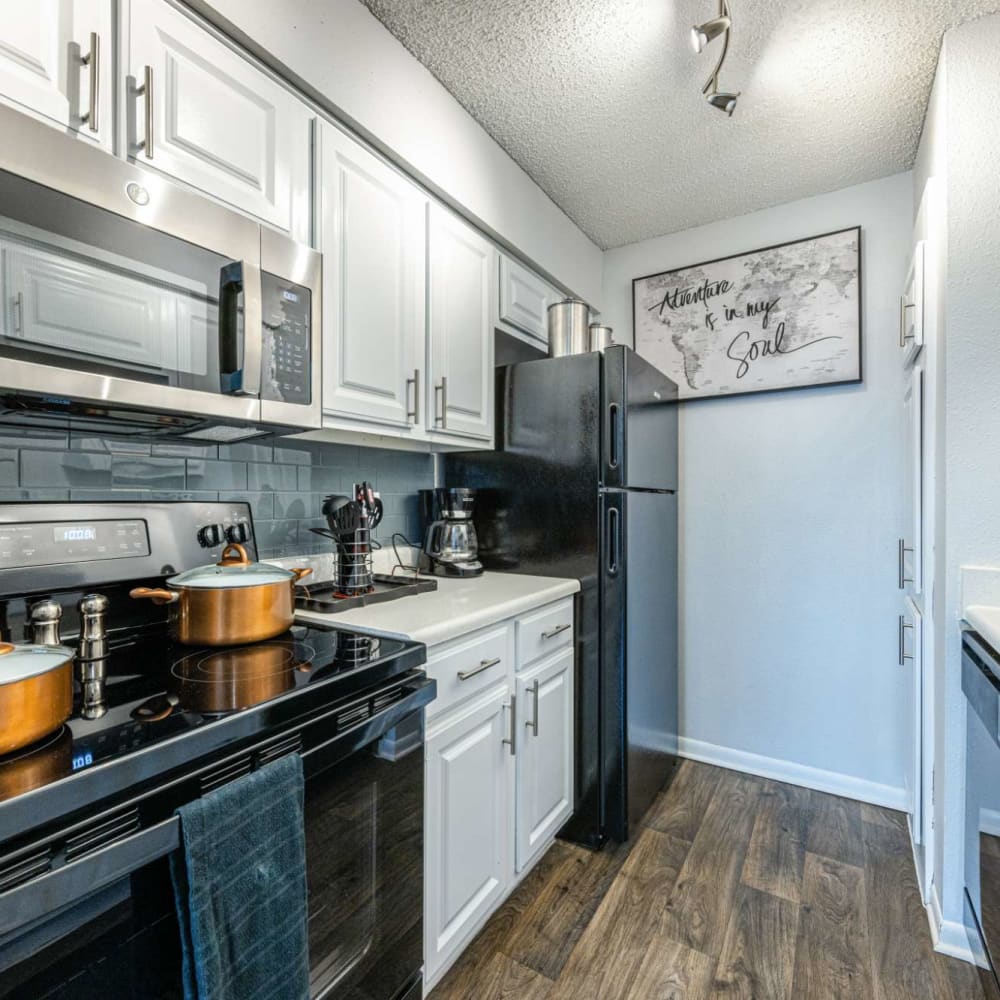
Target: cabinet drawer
[544,631]
[468,666]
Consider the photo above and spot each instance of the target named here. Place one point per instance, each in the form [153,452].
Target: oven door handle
[42,897]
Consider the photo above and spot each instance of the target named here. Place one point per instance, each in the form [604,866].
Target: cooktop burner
[156,691]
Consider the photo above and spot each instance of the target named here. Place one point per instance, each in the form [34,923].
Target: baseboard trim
[795,774]
[948,936]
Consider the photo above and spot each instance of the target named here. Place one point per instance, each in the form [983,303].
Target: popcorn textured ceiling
[600,100]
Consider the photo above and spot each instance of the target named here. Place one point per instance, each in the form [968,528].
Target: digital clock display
[75,533]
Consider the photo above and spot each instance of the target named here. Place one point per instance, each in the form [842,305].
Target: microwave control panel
[286,309]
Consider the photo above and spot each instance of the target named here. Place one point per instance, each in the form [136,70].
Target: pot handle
[157,596]
[301,573]
[239,559]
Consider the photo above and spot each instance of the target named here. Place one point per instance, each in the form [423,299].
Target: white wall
[790,512]
[961,146]
[348,58]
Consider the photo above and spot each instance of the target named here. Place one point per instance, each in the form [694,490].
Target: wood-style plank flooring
[734,888]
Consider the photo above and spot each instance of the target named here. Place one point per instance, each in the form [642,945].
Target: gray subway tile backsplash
[284,481]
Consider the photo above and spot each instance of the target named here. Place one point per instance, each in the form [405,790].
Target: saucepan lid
[234,569]
[21,661]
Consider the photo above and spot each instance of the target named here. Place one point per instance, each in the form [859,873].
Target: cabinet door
[460,368]
[467,808]
[911,661]
[910,554]
[544,754]
[525,299]
[215,121]
[374,260]
[47,65]
[911,308]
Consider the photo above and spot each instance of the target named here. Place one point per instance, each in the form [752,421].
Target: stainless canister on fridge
[568,330]
[600,337]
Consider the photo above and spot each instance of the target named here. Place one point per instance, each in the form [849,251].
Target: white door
[461,266]
[466,826]
[544,754]
[910,661]
[910,545]
[911,307]
[525,299]
[374,259]
[56,60]
[213,120]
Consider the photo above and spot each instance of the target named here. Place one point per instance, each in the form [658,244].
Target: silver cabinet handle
[146,91]
[554,632]
[903,306]
[903,655]
[510,741]
[464,675]
[19,312]
[532,724]
[415,382]
[93,60]
[441,419]
[903,578]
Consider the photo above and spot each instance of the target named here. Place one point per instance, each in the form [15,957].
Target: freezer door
[639,652]
[639,432]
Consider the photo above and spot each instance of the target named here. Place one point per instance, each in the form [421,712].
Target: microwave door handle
[236,339]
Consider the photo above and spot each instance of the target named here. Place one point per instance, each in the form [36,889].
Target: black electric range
[88,814]
[167,704]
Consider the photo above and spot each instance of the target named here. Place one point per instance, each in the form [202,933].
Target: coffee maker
[450,542]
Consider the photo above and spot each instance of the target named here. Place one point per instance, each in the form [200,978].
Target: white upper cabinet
[461,269]
[56,60]
[374,265]
[525,299]
[201,113]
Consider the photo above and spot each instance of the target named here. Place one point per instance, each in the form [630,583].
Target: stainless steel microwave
[132,305]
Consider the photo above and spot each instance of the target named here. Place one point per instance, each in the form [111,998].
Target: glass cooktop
[154,691]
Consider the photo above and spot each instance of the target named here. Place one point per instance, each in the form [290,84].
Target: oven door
[364,863]
[981,684]
[120,289]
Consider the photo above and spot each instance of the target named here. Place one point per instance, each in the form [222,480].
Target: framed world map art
[784,317]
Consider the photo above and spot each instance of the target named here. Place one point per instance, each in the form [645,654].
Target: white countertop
[985,619]
[457,607]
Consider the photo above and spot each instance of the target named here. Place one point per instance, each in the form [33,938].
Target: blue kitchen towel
[240,887]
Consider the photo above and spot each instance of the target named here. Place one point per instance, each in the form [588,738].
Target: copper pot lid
[21,661]
[234,569]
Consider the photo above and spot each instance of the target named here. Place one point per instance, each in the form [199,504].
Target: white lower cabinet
[544,754]
[499,778]
[467,831]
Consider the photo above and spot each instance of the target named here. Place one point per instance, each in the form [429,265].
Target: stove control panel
[51,543]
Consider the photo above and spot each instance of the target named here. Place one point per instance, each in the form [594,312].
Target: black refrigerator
[583,483]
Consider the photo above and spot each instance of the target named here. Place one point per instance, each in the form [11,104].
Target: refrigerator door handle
[614,540]
[614,431]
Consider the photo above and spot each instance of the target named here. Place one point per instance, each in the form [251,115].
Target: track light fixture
[702,35]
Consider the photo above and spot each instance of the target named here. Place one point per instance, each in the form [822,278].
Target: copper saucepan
[36,692]
[233,602]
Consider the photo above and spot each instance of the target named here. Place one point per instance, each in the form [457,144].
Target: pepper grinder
[90,655]
[43,624]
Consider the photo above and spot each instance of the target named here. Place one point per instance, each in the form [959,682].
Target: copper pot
[36,692]
[233,602]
